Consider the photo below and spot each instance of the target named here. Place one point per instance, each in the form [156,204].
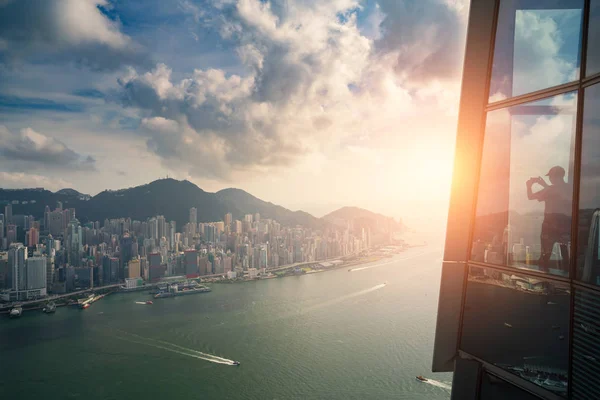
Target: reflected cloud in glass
[537,46]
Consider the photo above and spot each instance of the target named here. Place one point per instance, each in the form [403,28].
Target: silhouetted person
[556,227]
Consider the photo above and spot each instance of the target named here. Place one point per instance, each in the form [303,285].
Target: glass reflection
[519,323]
[493,388]
[537,46]
[522,218]
[588,254]
[593,45]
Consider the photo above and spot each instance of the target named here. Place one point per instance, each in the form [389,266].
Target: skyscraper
[228,221]
[33,237]
[191,263]
[74,243]
[193,220]
[8,213]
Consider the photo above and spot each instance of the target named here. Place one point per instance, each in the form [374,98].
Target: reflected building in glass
[519,309]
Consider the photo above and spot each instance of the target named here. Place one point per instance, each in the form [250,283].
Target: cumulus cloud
[64,30]
[544,53]
[29,148]
[312,82]
[426,38]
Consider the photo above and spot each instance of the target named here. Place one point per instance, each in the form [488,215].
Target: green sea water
[363,334]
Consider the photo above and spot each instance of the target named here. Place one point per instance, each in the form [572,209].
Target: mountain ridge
[169,197]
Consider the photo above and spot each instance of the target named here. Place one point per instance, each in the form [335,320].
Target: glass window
[520,324]
[537,46]
[588,254]
[593,45]
[494,388]
[586,346]
[524,202]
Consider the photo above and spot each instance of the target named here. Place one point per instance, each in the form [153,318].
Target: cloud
[545,52]
[33,149]
[58,31]
[21,180]
[310,80]
[426,37]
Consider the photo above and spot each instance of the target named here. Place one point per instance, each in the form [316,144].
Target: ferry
[420,378]
[16,312]
[50,308]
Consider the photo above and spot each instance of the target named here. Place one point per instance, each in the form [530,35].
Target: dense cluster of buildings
[58,254]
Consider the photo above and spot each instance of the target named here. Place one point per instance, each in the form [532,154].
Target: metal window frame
[465,188]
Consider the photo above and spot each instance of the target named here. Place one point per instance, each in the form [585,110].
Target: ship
[16,312]
[50,308]
[181,290]
[420,378]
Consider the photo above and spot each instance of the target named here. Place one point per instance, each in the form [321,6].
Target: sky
[305,103]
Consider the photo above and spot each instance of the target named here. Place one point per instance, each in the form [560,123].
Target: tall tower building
[8,213]
[162,226]
[228,220]
[33,237]
[193,216]
[74,242]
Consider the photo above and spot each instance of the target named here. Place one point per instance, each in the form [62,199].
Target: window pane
[537,46]
[586,346]
[524,203]
[493,388]
[520,324]
[588,254]
[593,55]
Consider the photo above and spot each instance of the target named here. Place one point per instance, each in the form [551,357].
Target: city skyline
[237,97]
[58,254]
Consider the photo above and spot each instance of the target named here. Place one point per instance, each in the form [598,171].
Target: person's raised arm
[537,195]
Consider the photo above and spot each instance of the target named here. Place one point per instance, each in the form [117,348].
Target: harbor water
[359,334]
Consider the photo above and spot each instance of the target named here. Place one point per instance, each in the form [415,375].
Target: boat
[16,312]
[84,306]
[507,325]
[236,363]
[186,290]
[420,378]
[50,308]
[149,302]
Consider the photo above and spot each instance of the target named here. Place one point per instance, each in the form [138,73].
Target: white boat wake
[390,262]
[140,302]
[343,298]
[439,384]
[173,348]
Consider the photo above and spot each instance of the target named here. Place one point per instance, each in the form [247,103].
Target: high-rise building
[33,237]
[55,223]
[36,273]
[228,220]
[8,214]
[191,263]
[248,218]
[125,245]
[134,269]
[74,242]
[193,216]
[11,234]
[519,309]
[162,226]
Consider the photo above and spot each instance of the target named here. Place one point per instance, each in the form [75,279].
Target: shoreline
[281,272]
